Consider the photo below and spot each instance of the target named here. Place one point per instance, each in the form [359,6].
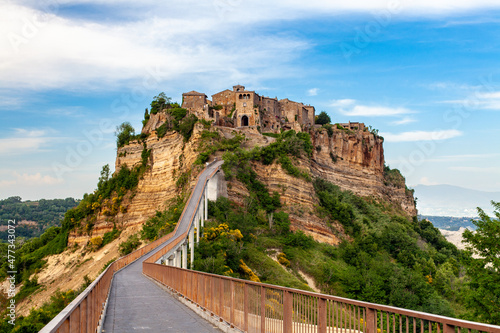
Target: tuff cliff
[170,159]
[353,160]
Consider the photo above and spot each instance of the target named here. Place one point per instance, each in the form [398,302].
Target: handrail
[253,306]
[259,307]
[84,313]
[157,255]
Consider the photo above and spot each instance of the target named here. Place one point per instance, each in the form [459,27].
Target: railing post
[245,307]
[371,324]
[262,309]
[322,315]
[287,312]
[206,202]
[221,299]
[447,328]
[232,301]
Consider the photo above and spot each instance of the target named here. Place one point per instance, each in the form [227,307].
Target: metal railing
[258,307]
[85,313]
[255,307]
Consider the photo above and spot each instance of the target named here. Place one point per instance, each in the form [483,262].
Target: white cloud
[426,181]
[45,50]
[421,136]
[35,179]
[61,52]
[350,107]
[342,103]
[25,179]
[404,121]
[375,111]
[463,157]
[478,100]
[24,141]
[312,92]
[476,169]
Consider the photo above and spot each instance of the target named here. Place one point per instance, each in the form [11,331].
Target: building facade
[244,108]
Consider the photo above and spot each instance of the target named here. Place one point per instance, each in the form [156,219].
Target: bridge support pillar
[197,226]
[178,258]
[191,245]
[200,214]
[206,202]
[184,256]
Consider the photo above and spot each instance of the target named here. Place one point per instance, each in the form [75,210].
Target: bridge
[135,294]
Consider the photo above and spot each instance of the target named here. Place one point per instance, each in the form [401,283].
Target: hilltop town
[244,108]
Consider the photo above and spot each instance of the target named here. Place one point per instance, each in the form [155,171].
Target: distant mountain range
[448,200]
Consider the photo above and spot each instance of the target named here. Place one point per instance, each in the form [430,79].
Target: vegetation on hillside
[46,213]
[323,118]
[289,146]
[484,272]
[383,257]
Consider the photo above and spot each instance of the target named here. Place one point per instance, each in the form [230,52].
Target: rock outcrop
[170,158]
[353,160]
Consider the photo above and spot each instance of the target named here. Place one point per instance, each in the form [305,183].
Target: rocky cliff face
[352,160]
[170,158]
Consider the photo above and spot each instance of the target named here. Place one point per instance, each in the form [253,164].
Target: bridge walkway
[137,304]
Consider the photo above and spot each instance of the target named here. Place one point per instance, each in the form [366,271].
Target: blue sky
[426,74]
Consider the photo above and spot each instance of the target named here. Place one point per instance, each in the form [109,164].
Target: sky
[426,74]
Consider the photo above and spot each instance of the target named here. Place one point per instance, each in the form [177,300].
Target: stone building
[354,126]
[244,108]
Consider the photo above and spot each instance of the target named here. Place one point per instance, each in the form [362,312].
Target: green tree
[124,133]
[104,177]
[484,272]
[159,102]
[323,118]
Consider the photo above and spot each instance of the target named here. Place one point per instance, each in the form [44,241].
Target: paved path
[137,304]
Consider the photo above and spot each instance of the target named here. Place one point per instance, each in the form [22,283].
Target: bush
[95,243]
[124,133]
[110,236]
[162,130]
[163,222]
[129,245]
[393,177]
[283,260]
[323,118]
[299,239]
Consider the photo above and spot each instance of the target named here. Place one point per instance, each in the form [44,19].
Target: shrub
[393,177]
[323,118]
[129,245]
[124,133]
[162,130]
[110,236]
[299,239]
[95,243]
[283,260]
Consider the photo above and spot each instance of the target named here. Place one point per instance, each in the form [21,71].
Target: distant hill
[449,222]
[32,217]
[448,200]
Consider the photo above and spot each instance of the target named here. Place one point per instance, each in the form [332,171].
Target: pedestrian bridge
[130,295]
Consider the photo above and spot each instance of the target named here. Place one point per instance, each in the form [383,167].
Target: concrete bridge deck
[137,304]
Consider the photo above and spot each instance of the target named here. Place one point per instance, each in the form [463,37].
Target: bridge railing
[258,307]
[84,313]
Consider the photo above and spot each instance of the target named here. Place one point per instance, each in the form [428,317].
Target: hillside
[314,209]
[32,217]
